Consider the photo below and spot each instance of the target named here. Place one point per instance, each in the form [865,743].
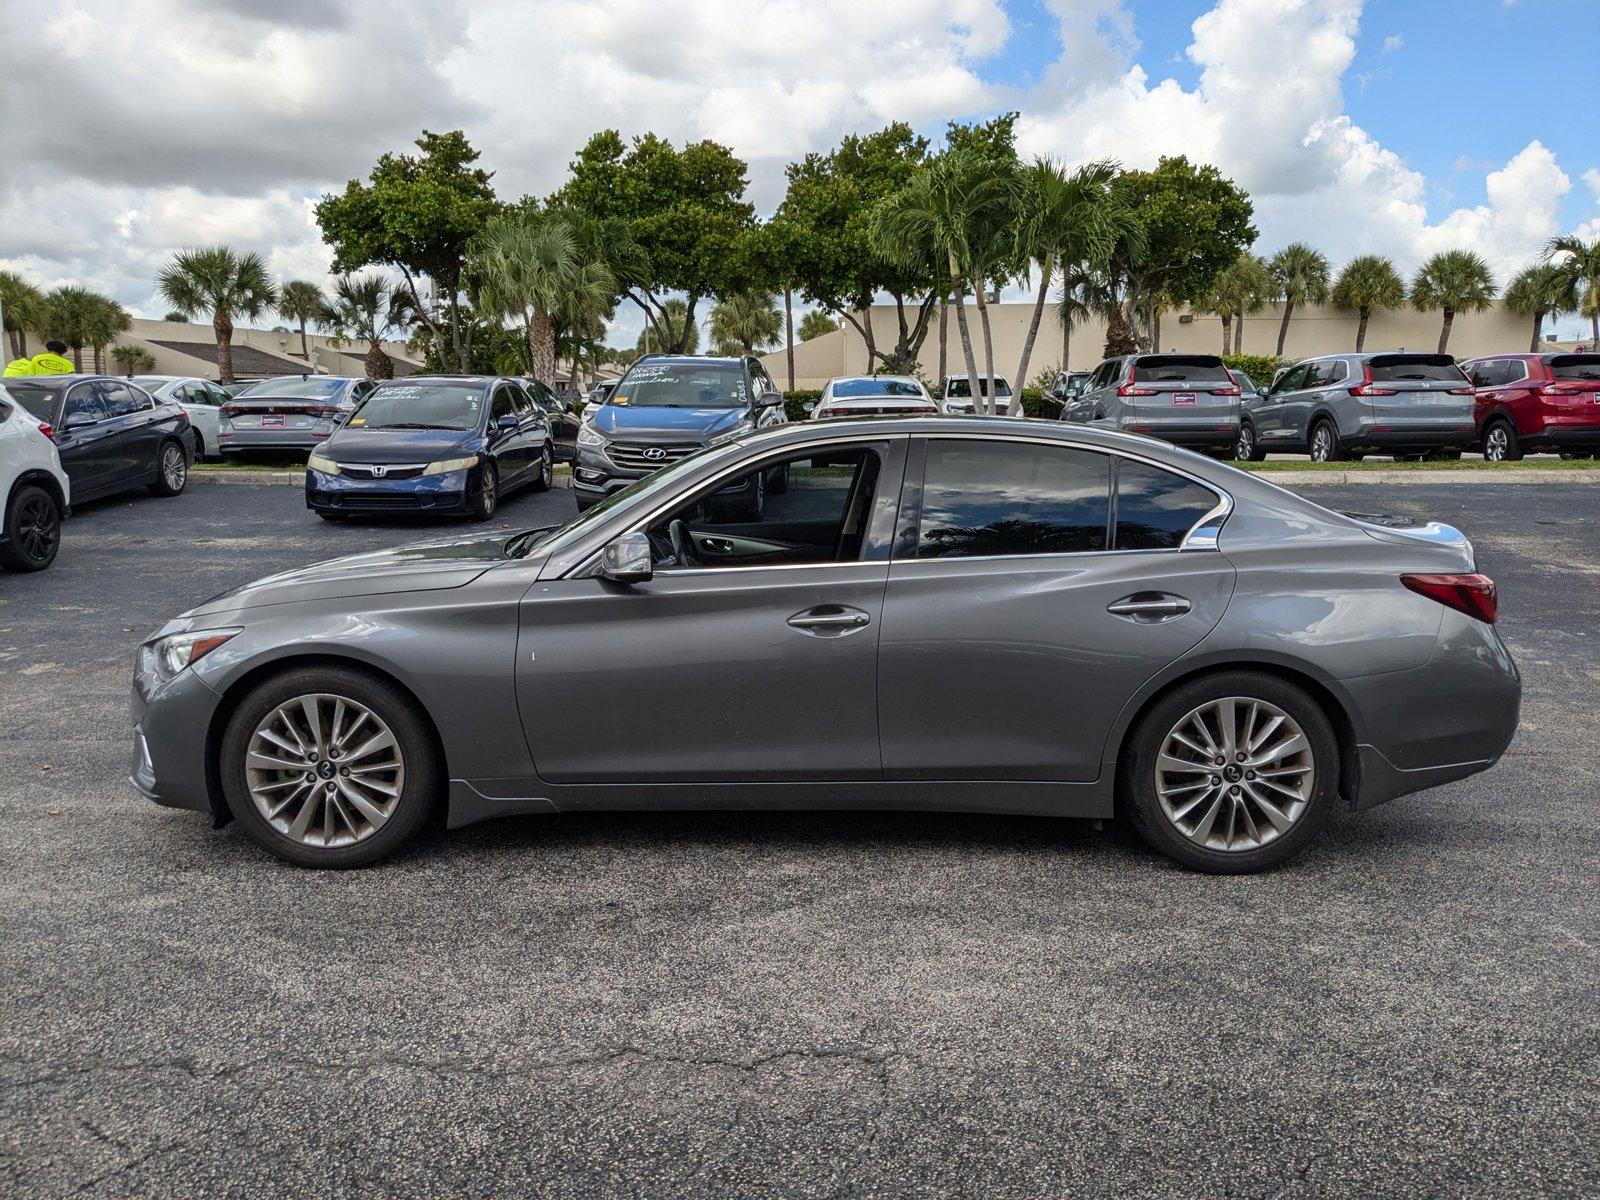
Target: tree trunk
[542,349]
[379,364]
[222,326]
[966,334]
[1283,329]
[1066,343]
[871,338]
[788,330]
[1238,335]
[988,355]
[305,349]
[1120,337]
[1594,332]
[1361,329]
[1227,330]
[1155,329]
[1444,330]
[944,333]
[1048,269]
[1538,328]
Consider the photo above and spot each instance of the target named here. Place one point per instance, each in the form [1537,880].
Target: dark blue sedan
[440,444]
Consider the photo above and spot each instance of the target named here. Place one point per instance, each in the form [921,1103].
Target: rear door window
[1156,508]
[119,399]
[1415,368]
[986,498]
[83,402]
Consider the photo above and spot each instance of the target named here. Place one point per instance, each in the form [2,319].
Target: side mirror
[770,400]
[505,421]
[810,406]
[626,560]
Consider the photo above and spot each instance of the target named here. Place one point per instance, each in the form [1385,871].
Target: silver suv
[1186,399]
[1349,405]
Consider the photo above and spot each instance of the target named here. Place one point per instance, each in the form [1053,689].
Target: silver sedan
[937,613]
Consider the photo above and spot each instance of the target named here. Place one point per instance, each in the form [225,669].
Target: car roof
[60,381]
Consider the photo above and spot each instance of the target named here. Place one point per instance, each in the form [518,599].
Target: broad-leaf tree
[1367,283]
[219,282]
[1299,276]
[1455,281]
[1540,291]
[370,308]
[1579,262]
[417,213]
[301,301]
[22,304]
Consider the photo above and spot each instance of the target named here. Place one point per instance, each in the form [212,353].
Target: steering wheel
[683,547]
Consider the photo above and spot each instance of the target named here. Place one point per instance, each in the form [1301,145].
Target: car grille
[366,500]
[362,471]
[638,456]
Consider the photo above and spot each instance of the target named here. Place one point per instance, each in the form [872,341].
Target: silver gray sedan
[938,613]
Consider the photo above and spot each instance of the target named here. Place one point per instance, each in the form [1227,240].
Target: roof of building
[247,360]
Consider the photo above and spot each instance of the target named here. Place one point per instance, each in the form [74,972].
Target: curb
[293,478]
[1421,478]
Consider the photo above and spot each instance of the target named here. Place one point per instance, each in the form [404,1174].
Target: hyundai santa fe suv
[1346,406]
[1186,399]
[665,408]
[1533,402]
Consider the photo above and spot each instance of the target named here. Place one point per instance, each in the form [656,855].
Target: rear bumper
[1380,437]
[443,494]
[230,441]
[1566,437]
[1216,434]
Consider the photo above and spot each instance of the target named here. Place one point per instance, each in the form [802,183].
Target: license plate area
[1183,399]
[272,421]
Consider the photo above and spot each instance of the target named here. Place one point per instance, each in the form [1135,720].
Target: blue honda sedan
[440,444]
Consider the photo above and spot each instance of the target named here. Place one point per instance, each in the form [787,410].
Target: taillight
[1466,391]
[48,430]
[1570,389]
[1128,389]
[231,410]
[834,412]
[1365,387]
[1471,594]
[1231,390]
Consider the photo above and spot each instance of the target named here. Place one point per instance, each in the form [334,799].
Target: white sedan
[873,396]
[200,398]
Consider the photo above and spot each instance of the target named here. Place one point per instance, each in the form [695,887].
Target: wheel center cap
[1232,773]
[325,769]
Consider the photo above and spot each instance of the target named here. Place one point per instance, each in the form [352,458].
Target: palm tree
[1073,306]
[815,324]
[134,359]
[21,304]
[302,301]
[1541,290]
[1067,218]
[1580,263]
[1367,283]
[745,322]
[69,313]
[369,308]
[222,282]
[107,319]
[958,209]
[1300,275]
[675,327]
[1238,289]
[1455,281]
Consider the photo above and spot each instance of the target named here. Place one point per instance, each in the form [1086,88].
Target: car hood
[423,566]
[667,424]
[398,445]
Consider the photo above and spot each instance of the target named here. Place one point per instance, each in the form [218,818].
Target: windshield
[843,389]
[1431,368]
[41,402]
[634,494]
[1582,367]
[1179,369]
[289,385]
[432,405]
[961,388]
[682,385]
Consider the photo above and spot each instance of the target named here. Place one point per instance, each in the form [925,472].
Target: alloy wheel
[1235,774]
[1247,444]
[1495,444]
[324,770]
[174,468]
[547,466]
[1321,444]
[38,526]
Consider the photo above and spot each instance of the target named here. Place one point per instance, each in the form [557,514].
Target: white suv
[34,488]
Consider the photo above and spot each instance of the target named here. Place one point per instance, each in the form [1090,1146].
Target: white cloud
[1392,43]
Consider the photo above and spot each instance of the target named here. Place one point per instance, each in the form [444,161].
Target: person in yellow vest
[52,362]
[19,366]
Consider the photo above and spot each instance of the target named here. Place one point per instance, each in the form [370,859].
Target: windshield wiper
[417,425]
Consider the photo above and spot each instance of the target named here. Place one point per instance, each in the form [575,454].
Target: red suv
[1532,402]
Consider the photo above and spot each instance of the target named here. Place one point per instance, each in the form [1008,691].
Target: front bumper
[170,729]
[448,493]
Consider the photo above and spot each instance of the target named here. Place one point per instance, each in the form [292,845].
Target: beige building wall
[1312,330]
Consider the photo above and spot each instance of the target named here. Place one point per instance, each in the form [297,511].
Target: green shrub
[1260,367]
[794,403]
[1036,404]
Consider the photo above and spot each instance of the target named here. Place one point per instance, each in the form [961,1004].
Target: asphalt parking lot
[666,1005]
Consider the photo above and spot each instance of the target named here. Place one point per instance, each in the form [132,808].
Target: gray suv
[1186,399]
[1349,405]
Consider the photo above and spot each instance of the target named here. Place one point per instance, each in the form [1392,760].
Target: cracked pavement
[785,1005]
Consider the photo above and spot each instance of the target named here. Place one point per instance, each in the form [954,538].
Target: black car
[563,420]
[433,444]
[113,436]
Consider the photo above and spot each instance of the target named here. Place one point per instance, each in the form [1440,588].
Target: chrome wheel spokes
[173,467]
[324,770]
[1235,774]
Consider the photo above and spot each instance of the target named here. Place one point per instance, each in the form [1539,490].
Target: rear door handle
[829,619]
[1149,607]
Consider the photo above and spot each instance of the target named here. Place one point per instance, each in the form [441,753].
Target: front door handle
[829,619]
[1149,607]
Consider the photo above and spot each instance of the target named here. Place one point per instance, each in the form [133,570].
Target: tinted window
[119,399]
[986,498]
[961,388]
[1156,508]
[505,404]
[1584,367]
[41,402]
[1179,368]
[1322,373]
[81,402]
[1493,373]
[1397,368]
[1290,380]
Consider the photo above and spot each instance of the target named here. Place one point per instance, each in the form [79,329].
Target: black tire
[547,470]
[1246,449]
[172,469]
[33,529]
[1329,450]
[1137,775]
[199,445]
[1444,455]
[424,765]
[1500,442]
[482,506]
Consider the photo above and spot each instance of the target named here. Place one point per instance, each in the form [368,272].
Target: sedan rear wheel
[172,470]
[1233,773]
[329,767]
[547,469]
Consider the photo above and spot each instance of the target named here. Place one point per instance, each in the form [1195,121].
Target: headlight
[445,465]
[589,436]
[318,462]
[165,657]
